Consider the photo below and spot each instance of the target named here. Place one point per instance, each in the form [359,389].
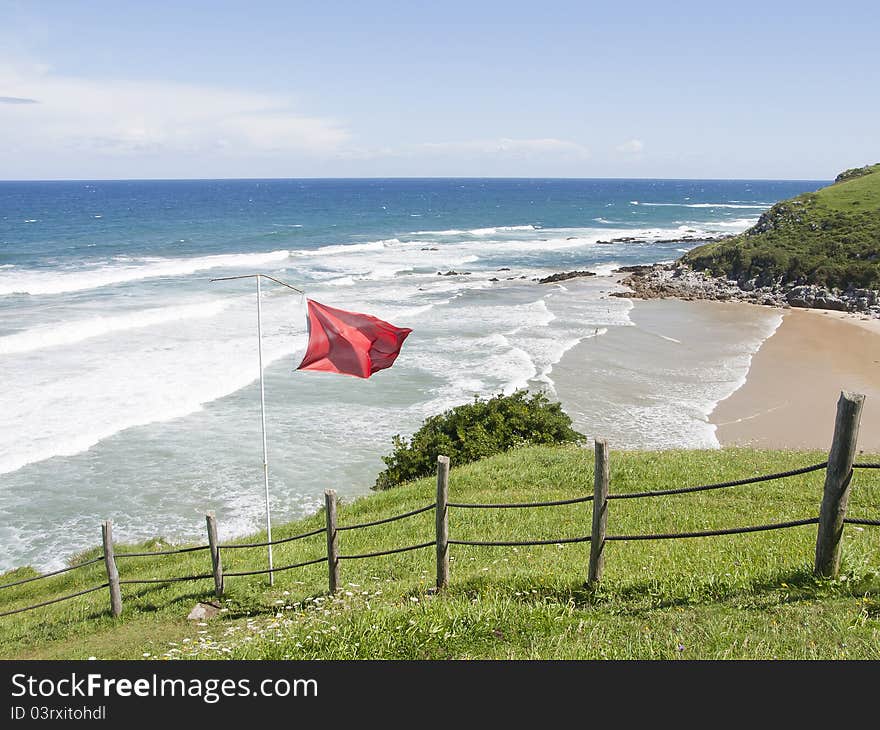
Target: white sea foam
[493,231]
[392,258]
[126,357]
[707,205]
[131,269]
[66,404]
[663,399]
[70,332]
[490,231]
[450,232]
[345,248]
[772,325]
[605,269]
[340,281]
[740,223]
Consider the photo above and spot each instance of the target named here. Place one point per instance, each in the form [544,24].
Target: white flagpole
[263,399]
[263,420]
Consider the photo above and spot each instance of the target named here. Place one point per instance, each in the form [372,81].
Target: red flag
[350,343]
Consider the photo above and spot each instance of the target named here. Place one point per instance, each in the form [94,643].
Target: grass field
[743,596]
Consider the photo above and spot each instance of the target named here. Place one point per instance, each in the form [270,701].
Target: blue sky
[94,89]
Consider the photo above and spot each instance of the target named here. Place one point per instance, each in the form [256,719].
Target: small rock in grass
[204,610]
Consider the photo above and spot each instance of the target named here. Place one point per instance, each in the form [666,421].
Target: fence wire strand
[721,485]
[136,581]
[387,519]
[276,570]
[55,600]
[234,546]
[177,551]
[524,543]
[54,572]
[462,505]
[710,533]
[516,505]
[387,552]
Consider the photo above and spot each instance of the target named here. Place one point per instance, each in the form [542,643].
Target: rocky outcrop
[679,281]
[563,276]
[854,172]
[688,237]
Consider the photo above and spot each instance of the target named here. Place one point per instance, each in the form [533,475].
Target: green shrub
[475,430]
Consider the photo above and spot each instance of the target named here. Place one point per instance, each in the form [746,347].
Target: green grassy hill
[830,237]
[742,596]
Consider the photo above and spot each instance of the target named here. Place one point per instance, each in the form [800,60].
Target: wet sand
[790,396]
[651,385]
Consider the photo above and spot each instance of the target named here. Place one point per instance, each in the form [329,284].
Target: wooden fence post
[442,521]
[216,560]
[332,539]
[112,572]
[838,476]
[601,477]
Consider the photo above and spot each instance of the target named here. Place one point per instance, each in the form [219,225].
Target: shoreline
[651,383]
[790,395]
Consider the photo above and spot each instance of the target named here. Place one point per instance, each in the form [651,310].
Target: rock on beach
[680,281]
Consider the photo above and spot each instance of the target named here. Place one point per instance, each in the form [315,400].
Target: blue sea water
[130,379]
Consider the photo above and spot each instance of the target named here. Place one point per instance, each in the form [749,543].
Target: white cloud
[502,148]
[132,118]
[83,127]
[632,146]
[17,100]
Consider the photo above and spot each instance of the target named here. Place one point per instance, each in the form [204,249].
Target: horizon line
[400,177]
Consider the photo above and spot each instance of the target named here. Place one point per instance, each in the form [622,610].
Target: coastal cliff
[818,249]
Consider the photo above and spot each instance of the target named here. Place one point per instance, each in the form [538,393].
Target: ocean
[130,380]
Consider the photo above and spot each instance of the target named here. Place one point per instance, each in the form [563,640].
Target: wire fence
[521,505]
[713,533]
[55,600]
[280,541]
[380,553]
[839,471]
[322,559]
[54,572]
[414,512]
[179,551]
[518,543]
[720,485]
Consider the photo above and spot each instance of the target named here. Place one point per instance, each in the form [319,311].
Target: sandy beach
[790,395]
